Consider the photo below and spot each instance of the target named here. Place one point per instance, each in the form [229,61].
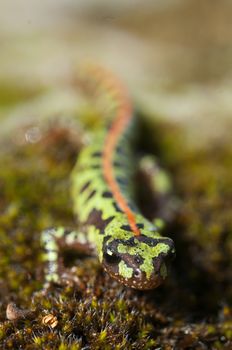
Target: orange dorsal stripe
[123,116]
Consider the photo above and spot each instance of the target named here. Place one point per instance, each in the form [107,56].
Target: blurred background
[175,56]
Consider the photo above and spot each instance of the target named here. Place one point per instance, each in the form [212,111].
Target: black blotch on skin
[107,194]
[90,195]
[86,185]
[140,225]
[95,218]
[111,259]
[126,228]
[117,164]
[96,166]
[117,207]
[106,238]
[113,245]
[129,242]
[97,154]
[152,242]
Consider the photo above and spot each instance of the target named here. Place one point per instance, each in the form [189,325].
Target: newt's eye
[111,258]
[137,273]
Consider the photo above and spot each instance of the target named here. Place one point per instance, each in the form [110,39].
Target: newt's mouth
[142,284]
[138,280]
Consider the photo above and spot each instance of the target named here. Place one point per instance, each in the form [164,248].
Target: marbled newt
[129,247]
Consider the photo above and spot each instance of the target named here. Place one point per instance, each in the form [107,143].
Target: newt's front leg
[54,241]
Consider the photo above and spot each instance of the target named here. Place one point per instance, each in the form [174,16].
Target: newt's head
[139,262]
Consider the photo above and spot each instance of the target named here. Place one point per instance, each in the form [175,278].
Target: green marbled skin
[138,262]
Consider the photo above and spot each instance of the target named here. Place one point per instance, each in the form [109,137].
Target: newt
[130,248]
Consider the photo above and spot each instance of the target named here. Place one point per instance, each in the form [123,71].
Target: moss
[98,313]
